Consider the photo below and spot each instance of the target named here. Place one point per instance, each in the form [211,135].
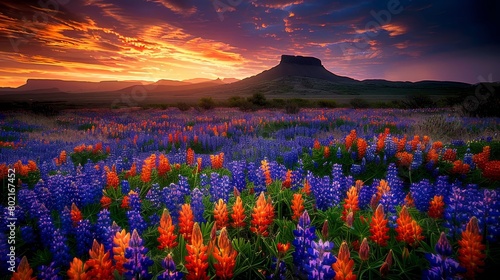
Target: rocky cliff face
[301,60]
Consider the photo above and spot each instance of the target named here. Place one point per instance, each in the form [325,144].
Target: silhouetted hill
[297,66]
[75,86]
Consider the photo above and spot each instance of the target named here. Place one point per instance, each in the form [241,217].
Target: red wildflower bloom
[364,250]
[350,203]
[492,170]
[307,188]
[437,145]
[220,214]
[482,158]
[267,173]
[287,183]
[262,216]
[146,171]
[316,145]
[326,152]
[408,229]
[225,256]
[124,202]
[186,221]
[432,155]
[238,214]
[112,179]
[471,249]
[166,229]
[450,155]
[77,270]
[105,202]
[344,265]
[409,202]
[404,158]
[189,156]
[436,207]
[199,162]
[217,161]
[24,271]
[76,214]
[121,241]
[197,258]
[378,227]
[460,168]
[132,172]
[282,248]
[164,165]
[297,206]
[349,139]
[386,266]
[99,264]
[362,146]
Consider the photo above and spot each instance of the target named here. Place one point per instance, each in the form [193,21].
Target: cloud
[184,7]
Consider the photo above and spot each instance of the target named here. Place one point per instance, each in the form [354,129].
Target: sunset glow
[95,40]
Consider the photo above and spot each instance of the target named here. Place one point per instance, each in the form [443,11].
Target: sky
[95,40]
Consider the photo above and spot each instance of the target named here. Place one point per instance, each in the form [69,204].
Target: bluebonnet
[138,263]
[237,169]
[389,147]
[183,185]
[173,199]
[170,272]
[197,205]
[103,229]
[125,187]
[489,208]
[154,220]
[455,213]
[136,221]
[320,260]
[84,237]
[59,249]
[304,236]
[220,188]
[66,224]
[356,169]
[277,273]
[442,265]
[49,272]
[366,193]
[417,159]
[154,195]
[28,234]
[422,193]
[45,224]
[325,192]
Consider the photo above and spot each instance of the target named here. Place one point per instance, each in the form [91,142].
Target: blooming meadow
[223,194]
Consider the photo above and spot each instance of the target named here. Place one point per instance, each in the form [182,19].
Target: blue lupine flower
[154,195]
[136,221]
[138,263]
[45,224]
[320,260]
[103,229]
[84,237]
[220,188]
[197,205]
[170,272]
[49,272]
[277,274]
[59,249]
[125,187]
[422,193]
[28,235]
[304,236]
[442,266]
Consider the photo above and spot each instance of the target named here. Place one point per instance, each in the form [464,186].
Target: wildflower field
[224,194]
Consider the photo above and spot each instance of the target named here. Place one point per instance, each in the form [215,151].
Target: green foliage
[258,100]
[359,103]
[207,103]
[81,158]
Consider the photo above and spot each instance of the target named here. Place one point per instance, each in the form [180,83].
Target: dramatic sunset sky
[97,40]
